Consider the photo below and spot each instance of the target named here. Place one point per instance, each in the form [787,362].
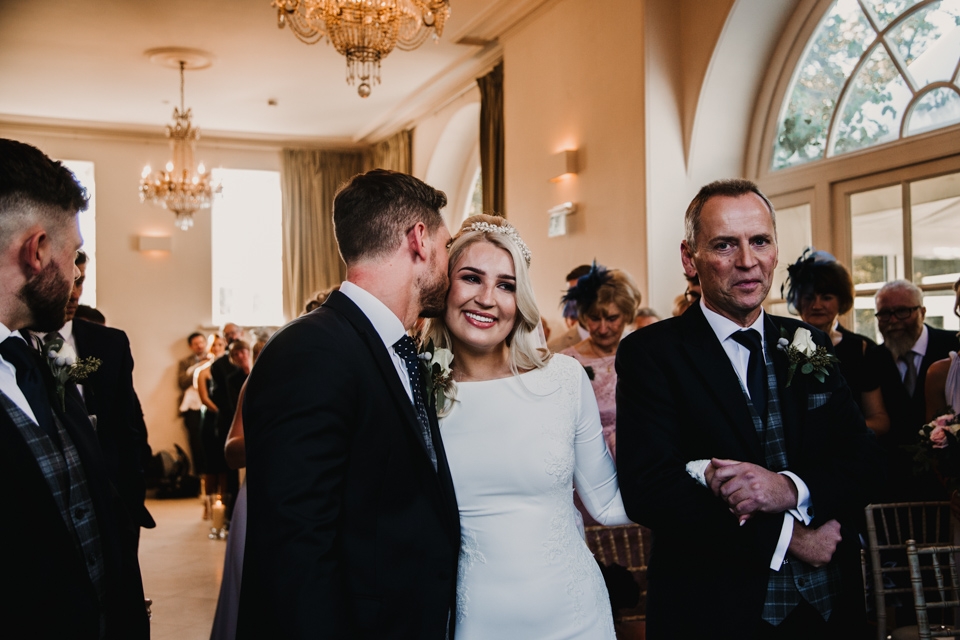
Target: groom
[757,534]
[353,530]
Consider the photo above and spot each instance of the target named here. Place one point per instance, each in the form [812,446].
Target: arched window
[874,71]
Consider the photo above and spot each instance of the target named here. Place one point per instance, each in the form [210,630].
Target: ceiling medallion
[365,31]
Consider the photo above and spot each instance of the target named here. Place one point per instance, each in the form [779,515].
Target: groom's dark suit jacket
[679,399]
[50,595]
[351,532]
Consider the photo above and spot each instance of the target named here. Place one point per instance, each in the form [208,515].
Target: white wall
[157,299]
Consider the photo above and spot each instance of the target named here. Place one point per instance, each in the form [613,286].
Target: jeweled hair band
[505,229]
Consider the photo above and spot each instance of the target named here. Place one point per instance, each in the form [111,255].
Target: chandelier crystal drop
[365,31]
[180,187]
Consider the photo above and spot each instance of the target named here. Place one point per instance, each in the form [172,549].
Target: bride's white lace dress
[515,448]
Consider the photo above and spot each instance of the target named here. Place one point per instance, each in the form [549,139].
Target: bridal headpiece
[505,229]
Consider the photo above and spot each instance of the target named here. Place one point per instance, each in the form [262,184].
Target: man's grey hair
[902,285]
[731,188]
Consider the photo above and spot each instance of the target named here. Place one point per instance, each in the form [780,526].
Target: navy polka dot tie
[407,349]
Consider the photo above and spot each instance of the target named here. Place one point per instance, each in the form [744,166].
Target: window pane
[938,108]
[877,228]
[83,170]
[929,42]
[873,105]
[939,306]
[935,219]
[794,234]
[836,47]
[886,10]
[247,248]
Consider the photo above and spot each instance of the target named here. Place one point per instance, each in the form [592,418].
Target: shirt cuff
[786,534]
[804,510]
[697,469]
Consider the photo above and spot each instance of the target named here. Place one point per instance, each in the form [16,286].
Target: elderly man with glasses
[909,347]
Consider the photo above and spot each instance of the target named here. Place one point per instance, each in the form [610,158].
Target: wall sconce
[563,164]
[154,243]
[558,219]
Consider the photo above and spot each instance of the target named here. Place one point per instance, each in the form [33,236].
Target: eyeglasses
[901,313]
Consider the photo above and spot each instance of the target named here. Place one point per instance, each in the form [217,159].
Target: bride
[520,429]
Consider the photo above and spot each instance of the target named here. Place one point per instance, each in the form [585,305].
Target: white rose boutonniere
[66,367]
[804,353]
[439,375]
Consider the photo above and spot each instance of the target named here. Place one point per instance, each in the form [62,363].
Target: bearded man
[352,524]
[909,347]
[62,526]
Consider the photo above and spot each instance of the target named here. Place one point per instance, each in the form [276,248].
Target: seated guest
[575,331]
[909,348]
[943,378]
[820,290]
[607,302]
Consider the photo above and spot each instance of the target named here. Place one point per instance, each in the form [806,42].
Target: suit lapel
[352,312]
[711,363]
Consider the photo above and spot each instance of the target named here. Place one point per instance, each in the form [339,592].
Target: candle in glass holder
[219,513]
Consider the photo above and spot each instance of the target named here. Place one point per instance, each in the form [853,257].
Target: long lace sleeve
[595,474]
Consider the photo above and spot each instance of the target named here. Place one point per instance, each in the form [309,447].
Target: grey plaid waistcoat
[67,480]
[796,579]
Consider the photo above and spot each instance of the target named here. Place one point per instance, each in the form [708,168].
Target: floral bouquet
[939,448]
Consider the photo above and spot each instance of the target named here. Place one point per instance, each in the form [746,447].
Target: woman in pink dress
[607,301]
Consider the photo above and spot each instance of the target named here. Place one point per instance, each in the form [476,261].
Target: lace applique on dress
[470,554]
[580,567]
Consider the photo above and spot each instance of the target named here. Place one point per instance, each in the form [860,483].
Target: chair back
[889,527]
[626,545]
[933,578]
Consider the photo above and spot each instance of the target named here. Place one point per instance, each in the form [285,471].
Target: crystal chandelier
[365,31]
[180,187]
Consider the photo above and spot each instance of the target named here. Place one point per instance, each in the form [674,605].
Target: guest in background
[820,290]
[108,394]
[89,314]
[190,403]
[645,316]
[210,444]
[909,348]
[943,377]
[607,302]
[320,298]
[220,371]
[689,297]
[575,331]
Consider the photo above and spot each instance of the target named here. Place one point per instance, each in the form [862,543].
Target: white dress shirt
[387,324]
[8,378]
[739,357]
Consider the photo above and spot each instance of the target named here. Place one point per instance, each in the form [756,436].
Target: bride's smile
[482,304]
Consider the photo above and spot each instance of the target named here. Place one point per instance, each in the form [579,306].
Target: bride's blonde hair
[524,342]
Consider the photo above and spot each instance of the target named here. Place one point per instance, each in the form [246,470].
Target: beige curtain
[311,262]
[395,153]
[491,141]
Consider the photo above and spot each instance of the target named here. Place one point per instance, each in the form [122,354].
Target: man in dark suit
[909,347]
[751,484]
[109,397]
[353,530]
[61,530]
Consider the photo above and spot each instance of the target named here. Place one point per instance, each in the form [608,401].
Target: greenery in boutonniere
[439,375]
[66,367]
[803,353]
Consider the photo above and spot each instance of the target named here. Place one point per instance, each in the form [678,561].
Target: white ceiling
[82,62]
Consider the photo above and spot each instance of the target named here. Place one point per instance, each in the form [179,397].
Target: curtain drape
[394,153]
[491,141]
[311,261]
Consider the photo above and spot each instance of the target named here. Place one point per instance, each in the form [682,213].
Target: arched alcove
[455,160]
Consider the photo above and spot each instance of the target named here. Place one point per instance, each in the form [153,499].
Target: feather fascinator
[585,292]
[800,275]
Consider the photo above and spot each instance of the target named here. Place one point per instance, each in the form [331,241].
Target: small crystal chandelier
[365,31]
[180,187]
